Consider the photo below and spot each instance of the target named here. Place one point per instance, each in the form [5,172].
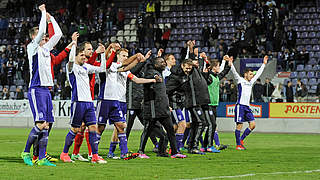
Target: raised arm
[56,37]
[72,57]
[234,71]
[259,72]
[42,25]
[223,63]
[95,69]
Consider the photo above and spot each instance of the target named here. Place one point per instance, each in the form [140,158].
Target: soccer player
[243,113]
[156,108]
[213,76]
[41,79]
[55,60]
[112,91]
[176,100]
[82,107]
[134,103]
[91,59]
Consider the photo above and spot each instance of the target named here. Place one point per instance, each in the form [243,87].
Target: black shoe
[196,151]
[222,147]
[163,155]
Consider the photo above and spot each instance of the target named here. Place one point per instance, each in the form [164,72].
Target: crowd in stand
[260,33]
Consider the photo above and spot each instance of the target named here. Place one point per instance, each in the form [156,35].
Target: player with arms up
[82,107]
[41,79]
[243,113]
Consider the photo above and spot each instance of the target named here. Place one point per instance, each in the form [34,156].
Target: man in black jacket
[289,92]
[156,108]
[190,79]
[258,91]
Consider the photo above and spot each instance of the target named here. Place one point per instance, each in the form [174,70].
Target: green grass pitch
[267,154]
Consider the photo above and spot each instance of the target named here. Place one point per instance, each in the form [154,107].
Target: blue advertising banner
[252,63]
[259,110]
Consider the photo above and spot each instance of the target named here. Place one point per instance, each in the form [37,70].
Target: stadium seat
[127,32]
[304,81]
[300,67]
[133,39]
[302,74]
[312,82]
[311,74]
[294,82]
[12,95]
[127,27]
[308,68]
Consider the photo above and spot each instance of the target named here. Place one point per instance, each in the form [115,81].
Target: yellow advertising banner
[294,110]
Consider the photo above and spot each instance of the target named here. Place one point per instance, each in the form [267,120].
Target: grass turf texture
[267,153]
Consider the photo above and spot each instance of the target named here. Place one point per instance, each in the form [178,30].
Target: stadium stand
[241,24]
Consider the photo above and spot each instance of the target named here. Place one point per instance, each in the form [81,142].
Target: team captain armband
[130,76]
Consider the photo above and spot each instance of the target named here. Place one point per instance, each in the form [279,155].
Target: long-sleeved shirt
[244,86]
[92,61]
[79,79]
[39,56]
[114,86]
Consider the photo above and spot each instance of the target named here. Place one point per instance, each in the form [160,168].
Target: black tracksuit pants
[197,126]
[211,114]
[131,116]
[151,126]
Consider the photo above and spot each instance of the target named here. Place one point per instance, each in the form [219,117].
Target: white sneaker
[79,157]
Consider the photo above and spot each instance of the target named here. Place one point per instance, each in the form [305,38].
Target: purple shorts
[123,107]
[243,114]
[41,104]
[82,112]
[187,115]
[109,110]
[177,116]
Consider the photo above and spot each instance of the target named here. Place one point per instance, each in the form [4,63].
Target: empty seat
[312,82]
[308,68]
[302,74]
[300,67]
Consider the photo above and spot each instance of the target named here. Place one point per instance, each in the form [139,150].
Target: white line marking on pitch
[246,175]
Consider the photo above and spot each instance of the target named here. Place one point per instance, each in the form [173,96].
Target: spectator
[157,9]
[140,19]
[66,91]
[236,8]
[166,37]
[277,94]
[268,89]
[289,92]
[150,7]
[304,56]
[19,94]
[258,90]
[206,35]
[109,19]
[158,34]
[5,94]
[121,17]
[141,35]
[301,91]
[215,34]
[284,59]
[233,93]
[10,71]
[291,37]
[149,34]
[11,33]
